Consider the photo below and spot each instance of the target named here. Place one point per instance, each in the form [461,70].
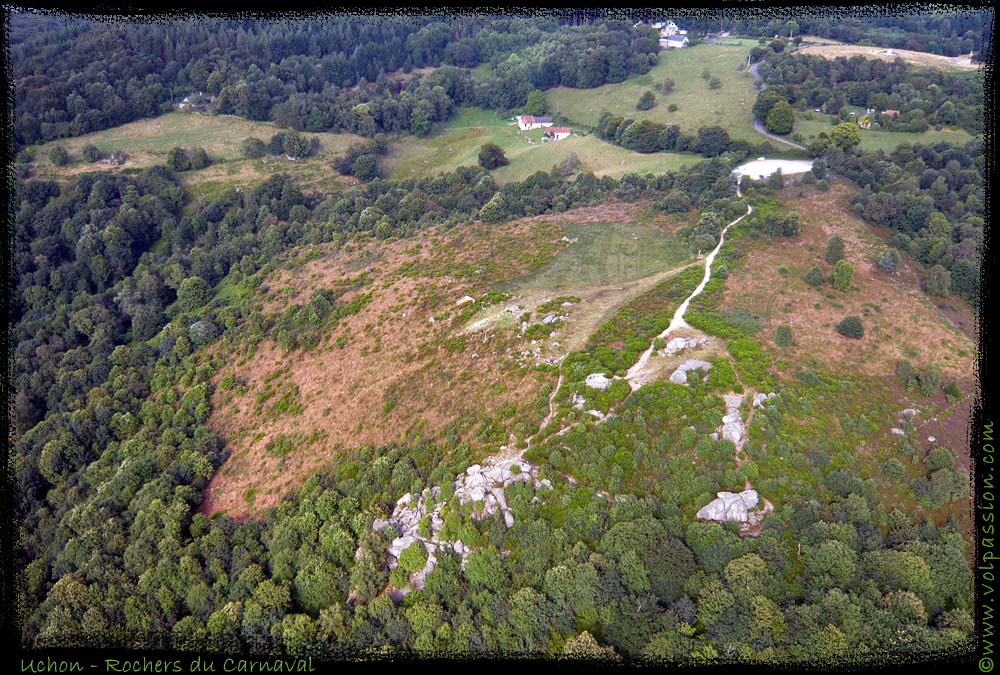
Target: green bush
[851,327]
[91,152]
[491,156]
[814,277]
[646,101]
[253,148]
[783,336]
[413,558]
[193,293]
[59,156]
[834,250]
[843,276]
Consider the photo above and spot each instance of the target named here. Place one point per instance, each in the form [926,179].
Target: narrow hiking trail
[484,484]
[678,322]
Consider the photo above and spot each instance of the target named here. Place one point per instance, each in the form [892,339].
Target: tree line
[77,76]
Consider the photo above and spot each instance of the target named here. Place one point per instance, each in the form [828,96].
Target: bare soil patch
[882,53]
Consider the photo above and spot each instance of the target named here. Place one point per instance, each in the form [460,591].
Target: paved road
[758,127]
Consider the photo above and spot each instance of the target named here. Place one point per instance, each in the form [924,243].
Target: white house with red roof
[528,122]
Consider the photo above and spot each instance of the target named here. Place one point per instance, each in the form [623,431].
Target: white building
[675,42]
[528,122]
[557,133]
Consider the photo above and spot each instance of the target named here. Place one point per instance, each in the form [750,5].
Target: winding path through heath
[678,321]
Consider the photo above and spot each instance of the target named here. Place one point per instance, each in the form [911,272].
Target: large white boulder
[598,381]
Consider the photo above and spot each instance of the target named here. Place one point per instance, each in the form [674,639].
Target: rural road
[758,127]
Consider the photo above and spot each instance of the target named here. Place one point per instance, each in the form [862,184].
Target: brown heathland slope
[900,321]
[387,373]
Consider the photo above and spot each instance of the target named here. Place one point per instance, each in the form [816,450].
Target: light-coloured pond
[762,168]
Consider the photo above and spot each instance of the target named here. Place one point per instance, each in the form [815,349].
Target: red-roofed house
[528,122]
[890,113]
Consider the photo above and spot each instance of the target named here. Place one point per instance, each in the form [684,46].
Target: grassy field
[877,139]
[698,105]
[604,254]
[458,144]
[147,142]
[920,59]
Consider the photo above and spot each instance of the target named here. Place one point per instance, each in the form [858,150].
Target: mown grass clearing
[147,141]
[698,105]
[458,144]
[603,266]
[606,253]
[810,124]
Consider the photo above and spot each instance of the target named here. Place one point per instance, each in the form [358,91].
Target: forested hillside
[315,75]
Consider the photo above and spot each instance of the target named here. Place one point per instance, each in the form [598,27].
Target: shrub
[91,152]
[253,148]
[843,275]
[491,156]
[952,391]
[851,327]
[202,332]
[413,558]
[814,277]
[193,293]
[783,336]
[906,372]
[59,156]
[834,250]
[177,159]
[938,282]
[939,458]
[929,379]
[888,261]
[199,158]
[672,107]
[646,101]
[780,118]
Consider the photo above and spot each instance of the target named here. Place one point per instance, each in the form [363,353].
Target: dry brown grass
[923,59]
[395,378]
[900,320]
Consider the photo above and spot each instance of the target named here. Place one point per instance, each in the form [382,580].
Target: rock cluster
[679,344]
[732,428]
[760,399]
[465,300]
[480,485]
[598,381]
[578,402]
[730,506]
[680,375]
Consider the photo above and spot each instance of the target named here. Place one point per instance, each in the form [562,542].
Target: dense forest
[933,198]
[315,75]
[950,33]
